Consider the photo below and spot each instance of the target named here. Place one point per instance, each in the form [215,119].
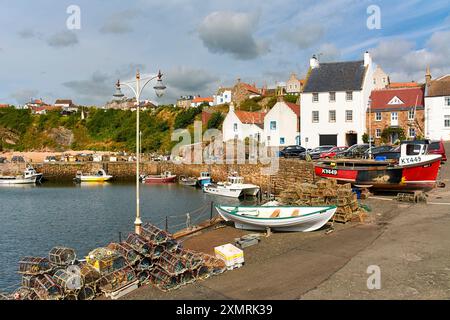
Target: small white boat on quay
[234,187]
[100,176]
[278,218]
[29,176]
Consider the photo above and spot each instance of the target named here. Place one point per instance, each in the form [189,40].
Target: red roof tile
[294,107]
[250,117]
[200,100]
[409,96]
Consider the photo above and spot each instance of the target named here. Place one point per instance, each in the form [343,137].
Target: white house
[334,102]
[282,125]
[437,108]
[243,124]
[66,105]
[222,96]
[199,100]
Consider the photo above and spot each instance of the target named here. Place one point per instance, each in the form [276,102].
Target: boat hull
[225,192]
[395,178]
[313,219]
[156,179]
[94,179]
[18,181]
[203,182]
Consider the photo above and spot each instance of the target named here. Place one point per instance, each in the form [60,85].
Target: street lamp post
[137,90]
[369,102]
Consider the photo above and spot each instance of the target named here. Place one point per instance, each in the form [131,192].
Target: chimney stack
[313,62]
[367,59]
[428,77]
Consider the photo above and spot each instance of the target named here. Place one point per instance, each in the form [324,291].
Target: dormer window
[315,97]
[349,95]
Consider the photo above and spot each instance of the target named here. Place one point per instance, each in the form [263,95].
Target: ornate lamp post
[137,90]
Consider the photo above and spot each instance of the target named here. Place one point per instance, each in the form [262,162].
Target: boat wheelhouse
[234,187]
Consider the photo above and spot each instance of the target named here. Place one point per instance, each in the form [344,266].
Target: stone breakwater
[290,171]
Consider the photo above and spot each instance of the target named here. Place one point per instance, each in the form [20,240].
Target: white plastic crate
[230,254]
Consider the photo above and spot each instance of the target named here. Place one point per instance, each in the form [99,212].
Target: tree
[216,120]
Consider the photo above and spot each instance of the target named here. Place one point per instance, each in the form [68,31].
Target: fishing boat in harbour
[204,179]
[165,177]
[234,187]
[100,176]
[278,218]
[187,181]
[29,176]
[414,170]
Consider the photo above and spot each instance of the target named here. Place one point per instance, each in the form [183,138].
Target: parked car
[332,152]
[376,150]
[355,151]
[3,160]
[292,151]
[315,153]
[50,159]
[17,159]
[437,147]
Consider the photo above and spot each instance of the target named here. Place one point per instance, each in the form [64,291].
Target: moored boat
[415,170]
[234,187]
[165,177]
[29,176]
[278,218]
[204,179]
[100,176]
[187,181]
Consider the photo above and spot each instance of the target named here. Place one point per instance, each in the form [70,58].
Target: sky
[202,45]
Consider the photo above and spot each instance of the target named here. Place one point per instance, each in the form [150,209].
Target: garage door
[328,139]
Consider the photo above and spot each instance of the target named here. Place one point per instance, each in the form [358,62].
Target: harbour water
[36,218]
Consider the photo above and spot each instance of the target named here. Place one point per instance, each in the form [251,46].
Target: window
[378,116]
[332,96]
[349,95]
[315,97]
[315,116]
[281,140]
[349,115]
[235,127]
[332,116]
[447,121]
[273,125]
[447,101]
[411,114]
[377,133]
[412,132]
[394,116]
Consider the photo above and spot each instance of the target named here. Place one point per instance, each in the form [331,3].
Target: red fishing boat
[414,170]
[165,177]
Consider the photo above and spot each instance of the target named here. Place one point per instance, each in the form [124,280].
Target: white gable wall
[286,126]
[435,112]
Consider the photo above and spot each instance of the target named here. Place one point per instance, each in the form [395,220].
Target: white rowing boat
[279,218]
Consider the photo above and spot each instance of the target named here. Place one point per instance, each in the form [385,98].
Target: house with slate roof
[437,107]
[334,102]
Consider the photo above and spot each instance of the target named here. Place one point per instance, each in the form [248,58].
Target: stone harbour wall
[290,171]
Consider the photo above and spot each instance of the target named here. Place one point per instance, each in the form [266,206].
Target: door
[328,139]
[351,139]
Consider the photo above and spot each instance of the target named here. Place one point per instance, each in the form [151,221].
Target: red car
[332,152]
[437,147]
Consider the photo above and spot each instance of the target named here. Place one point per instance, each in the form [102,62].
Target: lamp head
[159,87]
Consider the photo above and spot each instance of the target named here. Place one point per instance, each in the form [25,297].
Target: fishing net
[117,279]
[163,281]
[144,276]
[23,293]
[68,280]
[46,288]
[172,264]
[62,256]
[145,264]
[140,244]
[126,251]
[86,293]
[89,274]
[154,234]
[34,266]
[215,265]
[106,260]
[193,259]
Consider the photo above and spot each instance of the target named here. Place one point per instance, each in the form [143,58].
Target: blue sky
[201,45]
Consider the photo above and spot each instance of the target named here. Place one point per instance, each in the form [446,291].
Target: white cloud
[232,33]
[119,22]
[303,36]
